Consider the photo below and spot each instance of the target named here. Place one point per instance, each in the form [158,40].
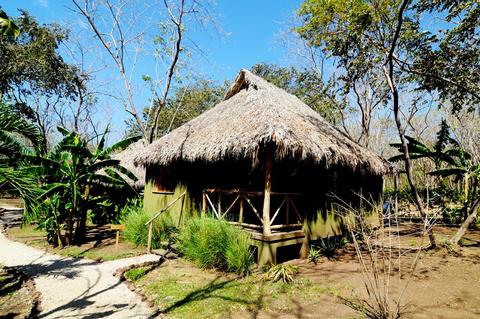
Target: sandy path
[76,288]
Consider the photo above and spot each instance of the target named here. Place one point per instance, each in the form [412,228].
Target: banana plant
[18,136]
[71,170]
[461,166]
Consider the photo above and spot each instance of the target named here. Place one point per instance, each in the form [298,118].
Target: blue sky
[251,28]
[250,34]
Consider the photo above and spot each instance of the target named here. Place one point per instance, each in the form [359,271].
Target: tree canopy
[31,64]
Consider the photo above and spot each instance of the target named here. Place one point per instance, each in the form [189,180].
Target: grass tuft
[136,231]
[135,274]
[213,243]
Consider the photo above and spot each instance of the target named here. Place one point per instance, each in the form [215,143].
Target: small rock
[171,255]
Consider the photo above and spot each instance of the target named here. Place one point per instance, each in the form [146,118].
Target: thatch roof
[126,158]
[253,113]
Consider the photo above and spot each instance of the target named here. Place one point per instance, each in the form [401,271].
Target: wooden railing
[241,197]
[150,221]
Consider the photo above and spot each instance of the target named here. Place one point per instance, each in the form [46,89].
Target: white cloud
[42,3]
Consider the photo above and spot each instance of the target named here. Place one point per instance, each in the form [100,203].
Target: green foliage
[135,274]
[214,243]
[8,28]
[453,215]
[314,254]
[73,171]
[442,151]
[186,103]
[449,60]
[328,246]
[17,137]
[136,230]
[31,65]
[358,34]
[285,273]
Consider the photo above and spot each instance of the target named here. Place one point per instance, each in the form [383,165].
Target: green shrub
[328,246]
[314,254]
[137,232]
[214,243]
[285,273]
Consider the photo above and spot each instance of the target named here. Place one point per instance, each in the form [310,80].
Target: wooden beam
[266,196]
[204,204]
[278,211]
[231,206]
[296,210]
[213,206]
[253,208]
[260,227]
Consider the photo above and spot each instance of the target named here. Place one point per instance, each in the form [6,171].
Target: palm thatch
[126,158]
[254,113]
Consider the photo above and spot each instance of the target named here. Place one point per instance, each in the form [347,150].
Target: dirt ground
[99,243]
[445,285]
[18,297]
[11,202]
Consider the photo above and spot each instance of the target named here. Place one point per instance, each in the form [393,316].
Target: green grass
[181,290]
[135,273]
[136,231]
[213,243]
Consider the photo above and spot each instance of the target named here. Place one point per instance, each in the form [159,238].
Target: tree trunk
[472,214]
[390,77]
[69,232]
[82,223]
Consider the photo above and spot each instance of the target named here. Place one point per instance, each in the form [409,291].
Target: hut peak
[254,113]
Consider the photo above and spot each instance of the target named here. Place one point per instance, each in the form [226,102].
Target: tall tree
[122,28]
[32,66]
[388,36]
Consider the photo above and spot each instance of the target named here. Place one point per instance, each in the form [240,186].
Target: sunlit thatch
[254,113]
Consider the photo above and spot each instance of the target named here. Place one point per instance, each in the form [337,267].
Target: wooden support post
[149,241]
[240,216]
[118,228]
[117,239]
[219,205]
[287,216]
[181,212]
[204,204]
[268,190]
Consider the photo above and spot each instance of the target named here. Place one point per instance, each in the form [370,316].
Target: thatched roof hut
[254,113]
[127,157]
[264,160]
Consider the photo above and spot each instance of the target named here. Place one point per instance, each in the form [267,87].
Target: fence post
[149,241]
[204,204]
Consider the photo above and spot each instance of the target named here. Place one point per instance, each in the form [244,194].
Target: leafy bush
[314,254]
[328,246]
[285,273]
[137,232]
[213,243]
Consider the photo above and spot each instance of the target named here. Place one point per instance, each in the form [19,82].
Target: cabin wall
[155,202]
[319,187]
